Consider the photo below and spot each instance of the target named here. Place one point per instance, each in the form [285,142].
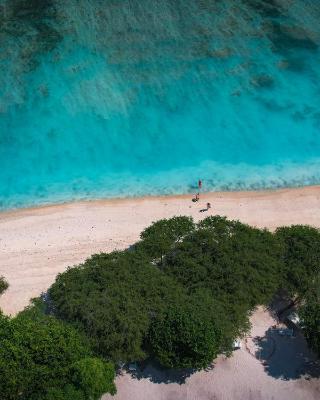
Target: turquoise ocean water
[136,97]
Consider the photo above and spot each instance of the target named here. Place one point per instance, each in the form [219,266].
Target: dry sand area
[36,244]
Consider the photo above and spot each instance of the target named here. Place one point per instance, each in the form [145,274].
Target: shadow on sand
[283,356]
[286,357]
[155,373]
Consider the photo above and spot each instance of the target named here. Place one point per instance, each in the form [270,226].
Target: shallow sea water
[136,97]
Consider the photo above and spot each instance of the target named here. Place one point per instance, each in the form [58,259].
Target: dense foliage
[161,236]
[185,336]
[93,377]
[182,295]
[301,258]
[238,264]
[39,356]
[310,316]
[121,300]
[133,304]
[112,298]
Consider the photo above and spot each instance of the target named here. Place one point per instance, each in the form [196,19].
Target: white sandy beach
[36,244]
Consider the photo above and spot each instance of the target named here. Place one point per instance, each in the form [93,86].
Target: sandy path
[36,244]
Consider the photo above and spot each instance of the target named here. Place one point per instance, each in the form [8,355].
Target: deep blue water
[135,97]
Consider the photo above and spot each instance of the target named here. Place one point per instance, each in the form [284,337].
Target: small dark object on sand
[196,198]
[206,209]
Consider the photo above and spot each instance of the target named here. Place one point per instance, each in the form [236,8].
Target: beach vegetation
[301,259]
[233,260]
[120,300]
[238,265]
[68,392]
[161,236]
[93,377]
[309,314]
[185,335]
[42,357]
[112,298]
[185,291]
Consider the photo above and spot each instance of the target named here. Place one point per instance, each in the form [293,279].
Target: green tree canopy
[310,316]
[229,258]
[68,392]
[94,377]
[161,236]
[185,336]
[38,357]
[301,257]
[129,304]
[112,299]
